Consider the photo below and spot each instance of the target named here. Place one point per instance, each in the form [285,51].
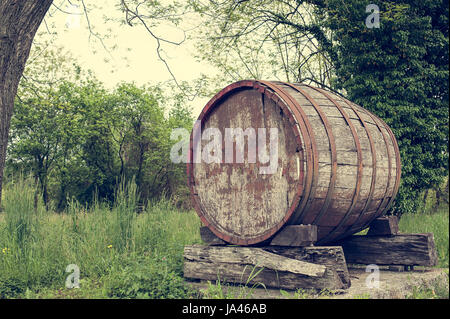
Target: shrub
[146,278]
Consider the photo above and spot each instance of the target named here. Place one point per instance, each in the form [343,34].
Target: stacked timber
[327,170]
[293,264]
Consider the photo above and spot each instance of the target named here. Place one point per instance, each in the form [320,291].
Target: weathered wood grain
[401,249]
[236,198]
[330,256]
[252,256]
[336,161]
[386,225]
[254,265]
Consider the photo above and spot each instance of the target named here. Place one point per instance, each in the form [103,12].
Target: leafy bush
[146,278]
[11,287]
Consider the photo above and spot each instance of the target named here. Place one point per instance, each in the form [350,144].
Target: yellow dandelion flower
[109,246]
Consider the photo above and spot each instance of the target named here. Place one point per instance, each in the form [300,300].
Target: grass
[124,254]
[120,254]
[225,290]
[435,290]
[432,221]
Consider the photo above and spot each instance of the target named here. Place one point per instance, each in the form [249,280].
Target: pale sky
[135,43]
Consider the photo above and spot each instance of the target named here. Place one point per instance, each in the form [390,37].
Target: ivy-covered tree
[399,71]
[398,68]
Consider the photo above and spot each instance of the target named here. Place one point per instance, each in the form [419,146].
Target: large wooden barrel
[338,165]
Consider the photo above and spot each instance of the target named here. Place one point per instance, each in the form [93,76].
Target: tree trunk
[20,20]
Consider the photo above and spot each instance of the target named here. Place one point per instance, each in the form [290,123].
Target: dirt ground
[392,285]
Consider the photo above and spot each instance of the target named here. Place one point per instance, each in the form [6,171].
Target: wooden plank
[245,274]
[387,225]
[252,256]
[250,266]
[401,249]
[295,236]
[289,235]
[330,256]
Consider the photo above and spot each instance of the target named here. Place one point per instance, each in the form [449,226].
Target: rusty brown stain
[258,188]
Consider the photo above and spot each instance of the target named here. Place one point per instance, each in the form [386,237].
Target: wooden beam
[295,236]
[251,265]
[252,256]
[329,256]
[387,225]
[210,238]
[401,249]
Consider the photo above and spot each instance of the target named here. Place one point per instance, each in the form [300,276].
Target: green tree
[20,20]
[263,39]
[141,130]
[139,120]
[92,167]
[81,141]
[399,70]
[47,135]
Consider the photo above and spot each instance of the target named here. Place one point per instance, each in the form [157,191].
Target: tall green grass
[129,254]
[21,218]
[120,253]
[434,221]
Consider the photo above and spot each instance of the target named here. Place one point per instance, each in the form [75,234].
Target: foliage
[400,72]
[245,290]
[46,135]
[78,139]
[20,217]
[438,289]
[11,287]
[145,278]
[147,263]
[261,39]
